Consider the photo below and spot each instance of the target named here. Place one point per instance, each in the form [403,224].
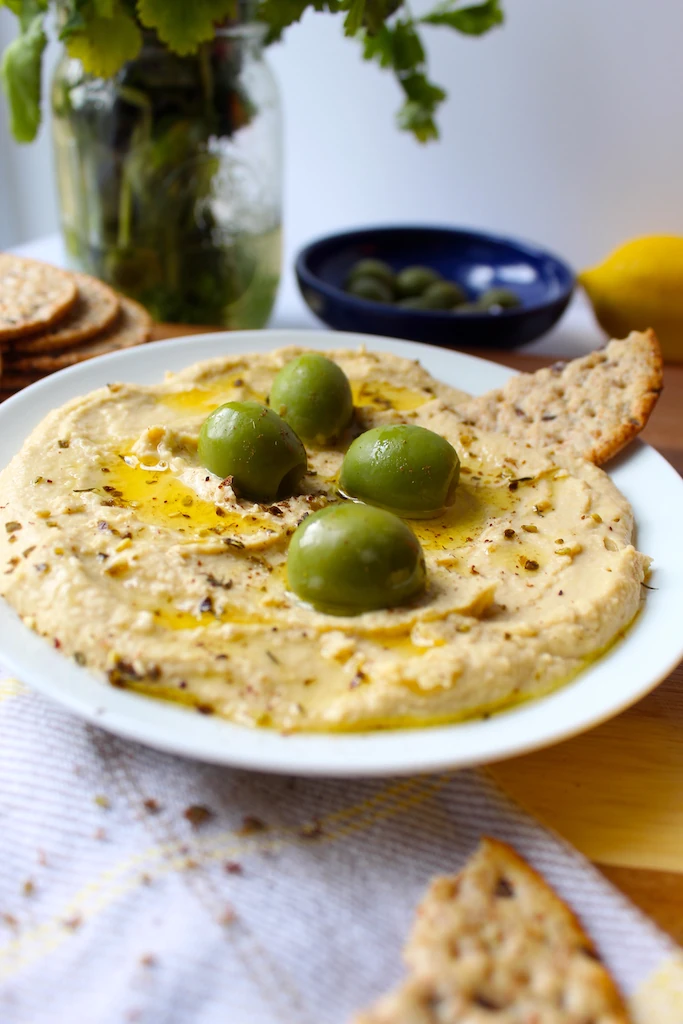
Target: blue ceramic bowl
[474,259]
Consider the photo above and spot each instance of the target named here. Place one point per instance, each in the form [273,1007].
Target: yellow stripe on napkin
[11,688]
[659,1000]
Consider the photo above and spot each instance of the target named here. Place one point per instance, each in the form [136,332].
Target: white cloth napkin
[285,901]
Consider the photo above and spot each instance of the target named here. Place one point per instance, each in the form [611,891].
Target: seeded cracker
[591,406]
[95,309]
[33,295]
[131,327]
[496,945]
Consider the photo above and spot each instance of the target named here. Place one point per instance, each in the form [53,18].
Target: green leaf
[379,47]
[407,50]
[473,21]
[105,44]
[73,18]
[418,88]
[184,24]
[369,14]
[25,10]
[21,73]
[354,19]
[416,118]
[399,47]
[79,13]
[280,14]
[377,12]
[75,22]
[417,113]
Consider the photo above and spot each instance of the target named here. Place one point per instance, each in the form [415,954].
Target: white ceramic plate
[649,652]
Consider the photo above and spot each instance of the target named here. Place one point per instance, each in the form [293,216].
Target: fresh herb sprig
[391,36]
[104,34]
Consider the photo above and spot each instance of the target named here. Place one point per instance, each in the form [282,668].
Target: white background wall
[565,127]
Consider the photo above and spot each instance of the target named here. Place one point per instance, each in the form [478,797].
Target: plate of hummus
[334,554]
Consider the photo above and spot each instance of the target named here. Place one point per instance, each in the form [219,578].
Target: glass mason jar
[169,178]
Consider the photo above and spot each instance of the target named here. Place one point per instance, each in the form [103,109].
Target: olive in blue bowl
[445,286]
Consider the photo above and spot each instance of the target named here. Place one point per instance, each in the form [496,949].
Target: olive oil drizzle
[381,395]
[203,399]
[158,498]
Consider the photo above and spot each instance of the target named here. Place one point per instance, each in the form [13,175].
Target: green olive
[371,289]
[469,307]
[413,302]
[254,446]
[403,468]
[444,295]
[349,558]
[313,395]
[503,297]
[415,281]
[377,269]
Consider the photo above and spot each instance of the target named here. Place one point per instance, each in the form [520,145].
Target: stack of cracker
[52,318]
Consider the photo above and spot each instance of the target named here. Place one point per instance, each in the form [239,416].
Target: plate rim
[160,724]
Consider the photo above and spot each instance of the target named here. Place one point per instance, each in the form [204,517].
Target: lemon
[640,285]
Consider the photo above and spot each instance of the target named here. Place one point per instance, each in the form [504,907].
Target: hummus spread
[137,562]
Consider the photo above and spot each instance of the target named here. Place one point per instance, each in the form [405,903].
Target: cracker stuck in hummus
[134,560]
[592,406]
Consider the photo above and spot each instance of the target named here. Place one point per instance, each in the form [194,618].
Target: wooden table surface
[616,792]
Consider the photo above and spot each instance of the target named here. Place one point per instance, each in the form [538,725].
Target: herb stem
[136,98]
